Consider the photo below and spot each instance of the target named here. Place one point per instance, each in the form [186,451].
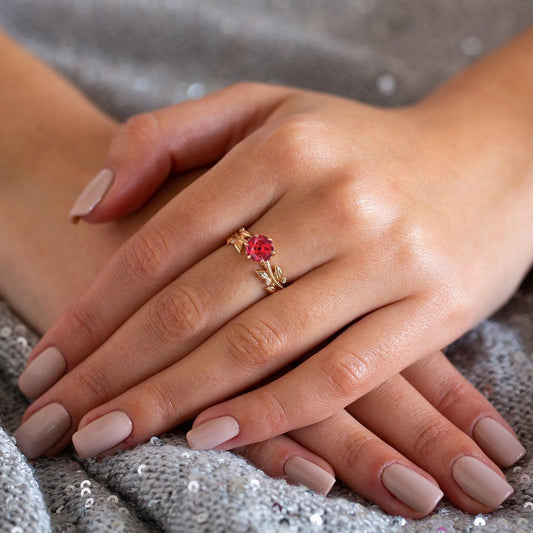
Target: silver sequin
[316,519]
[386,84]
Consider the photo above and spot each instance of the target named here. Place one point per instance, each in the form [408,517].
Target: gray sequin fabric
[133,55]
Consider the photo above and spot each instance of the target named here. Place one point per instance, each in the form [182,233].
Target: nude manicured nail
[497,442]
[102,434]
[309,474]
[92,195]
[411,488]
[481,482]
[213,433]
[42,430]
[42,372]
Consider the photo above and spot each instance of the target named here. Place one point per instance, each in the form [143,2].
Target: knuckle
[147,254]
[83,323]
[179,313]
[453,393]
[357,449]
[299,143]
[159,400]
[94,381]
[141,129]
[344,371]
[254,344]
[429,436]
[273,414]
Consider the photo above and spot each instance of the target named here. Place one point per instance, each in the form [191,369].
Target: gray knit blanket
[132,55]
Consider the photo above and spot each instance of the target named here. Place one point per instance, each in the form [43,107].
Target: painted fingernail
[411,488]
[92,195]
[213,433]
[309,474]
[497,442]
[480,482]
[102,434]
[42,430]
[42,372]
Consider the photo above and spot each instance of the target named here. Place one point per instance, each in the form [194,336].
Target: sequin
[524,479]
[23,341]
[89,502]
[70,488]
[140,469]
[17,529]
[112,498]
[316,519]
[196,90]
[517,469]
[5,332]
[85,483]
[142,84]
[386,84]
[528,505]
[202,518]
[85,491]
[193,486]
[255,484]
[479,521]
[471,46]
[20,329]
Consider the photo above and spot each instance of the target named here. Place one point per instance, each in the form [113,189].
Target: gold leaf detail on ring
[273,279]
[239,239]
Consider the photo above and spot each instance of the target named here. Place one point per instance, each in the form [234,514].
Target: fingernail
[92,195]
[102,434]
[497,442]
[213,433]
[42,430]
[309,474]
[411,488]
[481,482]
[42,372]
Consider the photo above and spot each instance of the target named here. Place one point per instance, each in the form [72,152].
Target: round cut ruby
[259,248]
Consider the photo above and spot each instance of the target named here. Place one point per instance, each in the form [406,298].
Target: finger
[399,415]
[370,466]
[372,350]
[176,238]
[453,396]
[282,457]
[150,146]
[247,350]
[177,319]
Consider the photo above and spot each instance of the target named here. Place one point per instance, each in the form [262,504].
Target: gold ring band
[260,249]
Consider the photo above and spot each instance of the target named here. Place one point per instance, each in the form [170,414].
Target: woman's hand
[382,225]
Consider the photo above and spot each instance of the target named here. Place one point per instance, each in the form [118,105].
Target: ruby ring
[260,249]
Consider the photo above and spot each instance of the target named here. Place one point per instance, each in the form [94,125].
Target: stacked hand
[393,241]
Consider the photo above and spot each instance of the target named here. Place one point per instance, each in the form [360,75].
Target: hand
[412,269]
[397,418]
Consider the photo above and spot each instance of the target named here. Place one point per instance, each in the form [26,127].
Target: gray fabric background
[135,55]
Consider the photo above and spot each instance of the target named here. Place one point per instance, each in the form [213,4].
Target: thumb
[149,147]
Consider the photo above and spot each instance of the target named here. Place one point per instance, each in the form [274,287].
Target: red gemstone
[259,248]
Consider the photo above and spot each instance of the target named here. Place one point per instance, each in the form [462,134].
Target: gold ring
[260,249]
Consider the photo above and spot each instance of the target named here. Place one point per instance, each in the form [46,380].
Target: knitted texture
[133,55]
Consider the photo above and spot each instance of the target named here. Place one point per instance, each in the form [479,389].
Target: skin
[41,289]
